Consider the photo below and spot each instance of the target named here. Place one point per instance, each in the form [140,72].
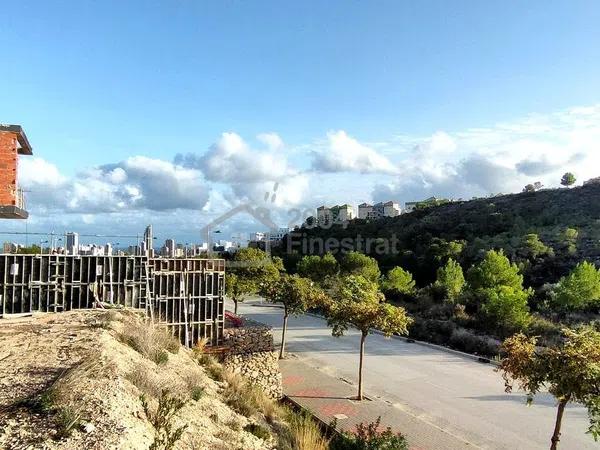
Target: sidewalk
[328,399]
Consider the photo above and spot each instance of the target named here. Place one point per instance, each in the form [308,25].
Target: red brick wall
[8,168]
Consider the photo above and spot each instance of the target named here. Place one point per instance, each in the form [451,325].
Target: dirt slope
[68,381]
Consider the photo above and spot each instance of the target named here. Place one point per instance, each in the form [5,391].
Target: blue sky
[97,83]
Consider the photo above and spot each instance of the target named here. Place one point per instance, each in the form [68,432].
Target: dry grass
[212,367]
[200,346]
[145,381]
[305,434]
[294,431]
[61,400]
[149,339]
[240,396]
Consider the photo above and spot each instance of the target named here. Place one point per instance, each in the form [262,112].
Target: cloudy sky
[174,112]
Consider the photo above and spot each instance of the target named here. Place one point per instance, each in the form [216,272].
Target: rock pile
[251,355]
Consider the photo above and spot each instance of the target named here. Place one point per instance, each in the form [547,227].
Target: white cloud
[34,171]
[247,175]
[457,164]
[345,154]
[231,160]
[272,140]
[502,158]
[137,183]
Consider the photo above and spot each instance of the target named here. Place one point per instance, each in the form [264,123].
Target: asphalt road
[464,397]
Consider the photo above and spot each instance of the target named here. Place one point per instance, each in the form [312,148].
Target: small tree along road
[570,372]
[296,294]
[356,301]
[249,270]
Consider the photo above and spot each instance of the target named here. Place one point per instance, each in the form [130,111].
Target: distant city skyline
[193,109]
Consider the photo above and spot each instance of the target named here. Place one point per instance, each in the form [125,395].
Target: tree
[441,250]
[296,294]
[569,372]
[499,285]
[569,238]
[534,247]
[249,270]
[506,307]
[579,289]
[355,263]
[237,288]
[317,268]
[450,279]
[533,187]
[357,301]
[31,250]
[495,270]
[399,281]
[568,179]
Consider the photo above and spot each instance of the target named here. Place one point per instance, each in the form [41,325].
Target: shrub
[258,430]
[399,282]
[67,419]
[213,369]
[368,437]
[165,434]
[197,393]
[579,289]
[548,331]
[143,380]
[200,347]
[468,342]
[430,330]
[239,395]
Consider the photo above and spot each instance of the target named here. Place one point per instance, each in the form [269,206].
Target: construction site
[184,294]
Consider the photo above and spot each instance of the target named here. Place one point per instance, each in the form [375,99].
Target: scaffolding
[184,294]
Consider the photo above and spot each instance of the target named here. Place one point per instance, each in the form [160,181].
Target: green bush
[430,330]
[468,342]
[450,279]
[162,419]
[368,437]
[197,393]
[548,331]
[258,430]
[579,289]
[399,282]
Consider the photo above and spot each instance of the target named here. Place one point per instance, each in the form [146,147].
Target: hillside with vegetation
[113,380]
[473,272]
[566,222]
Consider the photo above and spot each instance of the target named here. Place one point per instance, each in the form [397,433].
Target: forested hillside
[474,271]
[565,222]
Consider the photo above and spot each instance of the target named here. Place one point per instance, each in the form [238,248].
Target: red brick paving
[293,379]
[327,396]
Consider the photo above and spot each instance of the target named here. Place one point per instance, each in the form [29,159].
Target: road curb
[480,359]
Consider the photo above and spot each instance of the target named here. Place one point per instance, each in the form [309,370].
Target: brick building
[13,143]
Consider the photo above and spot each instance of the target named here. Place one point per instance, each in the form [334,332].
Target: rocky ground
[71,381]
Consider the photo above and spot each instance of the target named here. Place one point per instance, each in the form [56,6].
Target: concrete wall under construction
[184,294]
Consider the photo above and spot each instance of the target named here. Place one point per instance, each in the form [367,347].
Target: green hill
[567,222]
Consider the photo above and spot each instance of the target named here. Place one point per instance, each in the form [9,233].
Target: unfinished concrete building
[184,294]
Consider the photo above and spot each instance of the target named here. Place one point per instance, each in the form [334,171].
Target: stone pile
[251,355]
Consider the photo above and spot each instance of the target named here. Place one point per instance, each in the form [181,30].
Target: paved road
[457,394]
